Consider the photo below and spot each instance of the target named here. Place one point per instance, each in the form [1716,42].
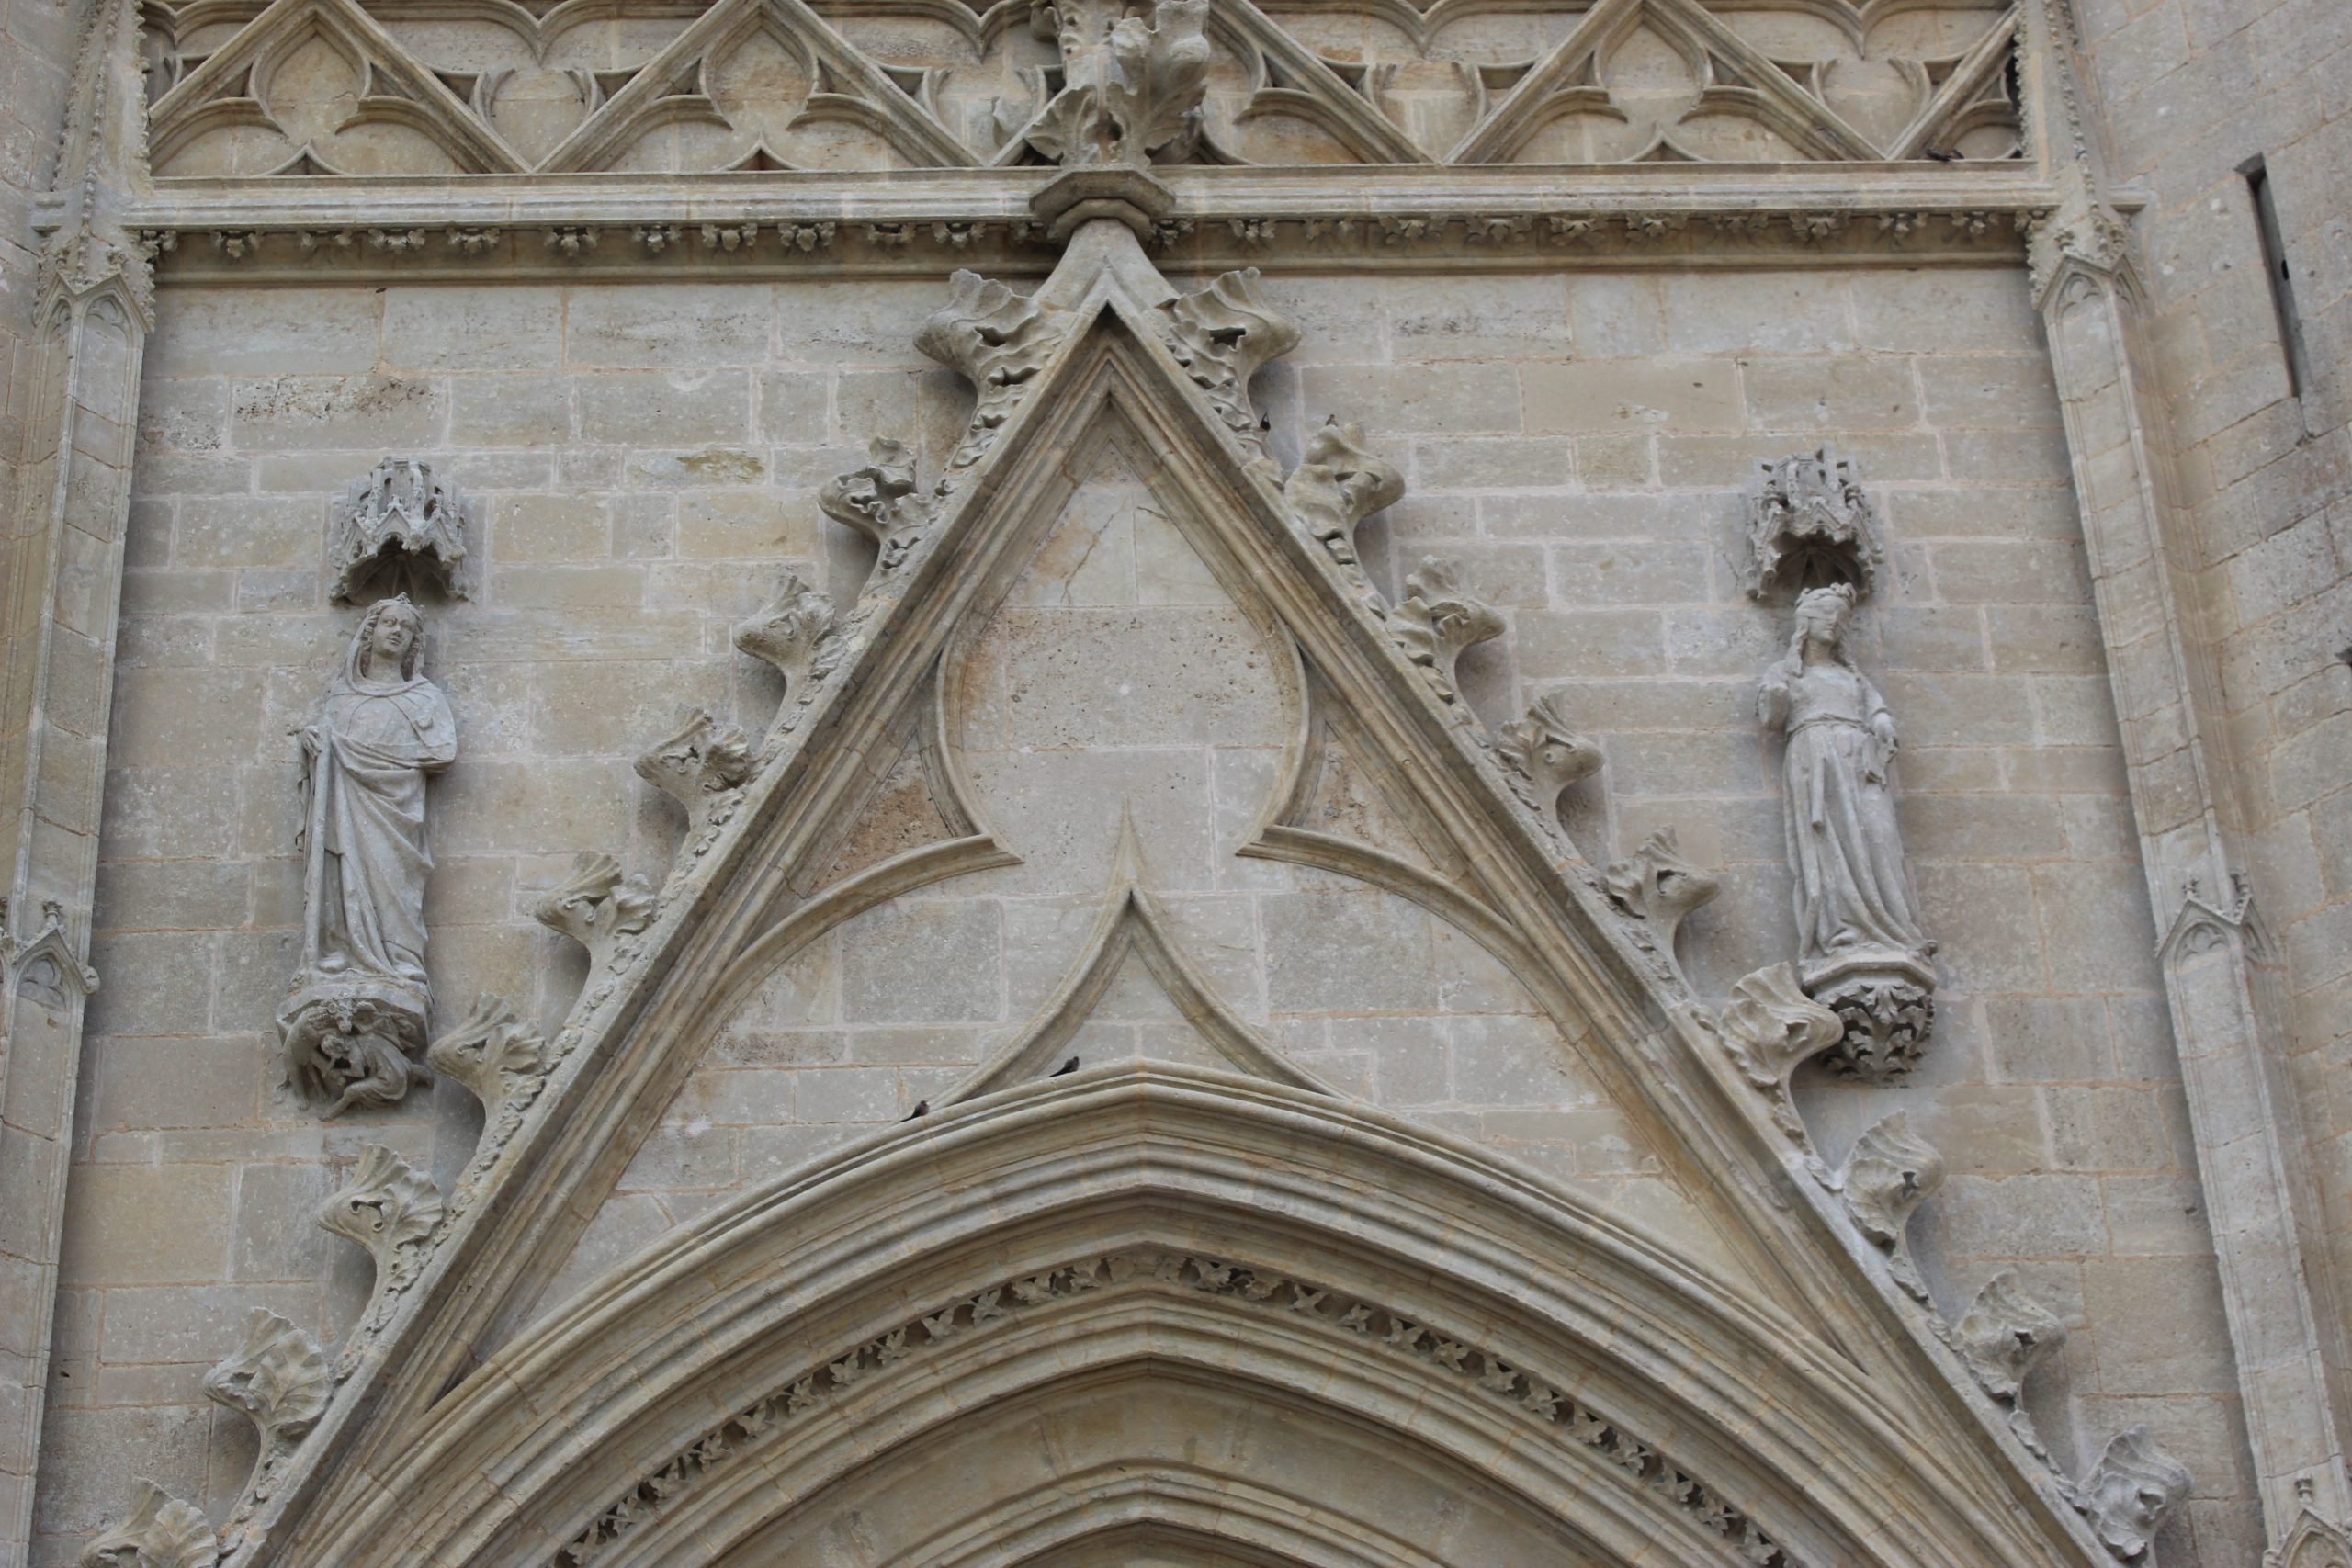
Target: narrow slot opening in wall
[2282,282]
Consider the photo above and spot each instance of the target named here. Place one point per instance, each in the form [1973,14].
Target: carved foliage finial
[1811,524]
[1656,886]
[160,1533]
[879,500]
[1133,87]
[1222,335]
[701,767]
[1544,753]
[1889,1172]
[278,1378]
[1338,484]
[999,339]
[798,632]
[2005,1335]
[391,1208]
[1771,1027]
[2129,1493]
[1438,618]
[597,906]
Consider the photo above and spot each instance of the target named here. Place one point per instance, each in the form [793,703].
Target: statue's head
[391,634]
[1822,613]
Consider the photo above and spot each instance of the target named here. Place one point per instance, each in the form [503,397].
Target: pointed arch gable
[1183,1224]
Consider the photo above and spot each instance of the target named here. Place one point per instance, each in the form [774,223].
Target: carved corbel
[702,767]
[281,1381]
[400,524]
[502,1061]
[1543,753]
[1437,619]
[2003,1337]
[1771,1027]
[997,340]
[880,501]
[799,634]
[1222,335]
[1657,886]
[1889,1172]
[391,1208]
[1337,485]
[2129,1493]
[1811,524]
[160,1533]
[597,908]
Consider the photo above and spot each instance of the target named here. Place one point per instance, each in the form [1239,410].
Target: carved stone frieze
[160,1533]
[1338,484]
[999,340]
[1811,524]
[2130,1493]
[1771,1027]
[279,1380]
[1132,85]
[354,1023]
[1889,1172]
[1639,1461]
[401,523]
[598,908]
[1657,886]
[1222,335]
[1437,619]
[1543,754]
[880,501]
[702,767]
[1859,950]
[391,1208]
[2005,1335]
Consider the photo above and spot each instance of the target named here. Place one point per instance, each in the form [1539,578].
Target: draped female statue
[1861,950]
[357,1017]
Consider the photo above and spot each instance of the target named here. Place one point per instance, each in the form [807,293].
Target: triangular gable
[395,89]
[1740,79]
[1106,329]
[845,86]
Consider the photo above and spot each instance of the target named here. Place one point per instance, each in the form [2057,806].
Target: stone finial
[1656,886]
[2005,1335]
[1544,753]
[501,1060]
[2129,1493]
[879,500]
[1771,1027]
[1132,87]
[1811,524]
[597,906]
[1889,1172]
[1222,335]
[798,632]
[999,340]
[278,1378]
[160,1533]
[700,766]
[1438,618]
[1338,484]
[399,523]
[391,1208]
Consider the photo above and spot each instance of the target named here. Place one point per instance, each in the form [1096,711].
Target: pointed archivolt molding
[1130,925]
[844,84]
[1092,348]
[218,93]
[1745,82]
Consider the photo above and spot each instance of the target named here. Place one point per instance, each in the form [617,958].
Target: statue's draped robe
[376,743]
[1852,891]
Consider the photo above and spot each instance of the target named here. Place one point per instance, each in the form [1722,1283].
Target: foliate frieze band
[1641,1461]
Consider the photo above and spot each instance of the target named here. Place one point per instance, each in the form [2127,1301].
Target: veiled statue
[1860,950]
[354,1023]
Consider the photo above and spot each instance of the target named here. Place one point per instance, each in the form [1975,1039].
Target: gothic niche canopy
[402,527]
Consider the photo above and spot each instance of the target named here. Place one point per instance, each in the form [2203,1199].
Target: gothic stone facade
[1299,782]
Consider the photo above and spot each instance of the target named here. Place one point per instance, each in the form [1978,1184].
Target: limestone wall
[643,462]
